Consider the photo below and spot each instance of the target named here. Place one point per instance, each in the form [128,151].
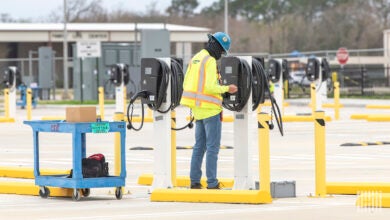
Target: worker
[202,92]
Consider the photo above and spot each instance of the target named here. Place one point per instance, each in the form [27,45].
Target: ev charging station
[10,75]
[161,90]
[238,71]
[278,73]
[151,70]
[249,75]
[119,76]
[318,71]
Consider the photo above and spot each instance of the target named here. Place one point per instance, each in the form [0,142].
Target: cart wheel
[76,195]
[85,192]
[44,192]
[118,193]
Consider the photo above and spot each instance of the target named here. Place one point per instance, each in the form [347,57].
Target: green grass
[385,96]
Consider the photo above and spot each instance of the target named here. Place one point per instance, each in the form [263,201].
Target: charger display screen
[228,70]
[148,70]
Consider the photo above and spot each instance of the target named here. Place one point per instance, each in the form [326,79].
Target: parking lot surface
[292,159]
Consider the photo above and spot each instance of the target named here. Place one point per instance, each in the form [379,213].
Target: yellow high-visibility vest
[201,89]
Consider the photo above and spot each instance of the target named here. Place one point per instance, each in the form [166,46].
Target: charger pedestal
[162,147]
[244,123]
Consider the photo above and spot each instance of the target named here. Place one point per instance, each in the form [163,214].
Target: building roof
[96,27]
[105,32]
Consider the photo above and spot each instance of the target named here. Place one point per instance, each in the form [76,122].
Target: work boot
[196,186]
[218,186]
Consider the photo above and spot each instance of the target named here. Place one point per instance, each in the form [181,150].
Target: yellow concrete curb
[183,181]
[211,195]
[353,188]
[378,106]
[28,173]
[359,116]
[301,118]
[378,117]
[31,189]
[331,105]
[4,119]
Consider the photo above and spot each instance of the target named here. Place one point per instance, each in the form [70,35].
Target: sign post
[87,49]
[342,55]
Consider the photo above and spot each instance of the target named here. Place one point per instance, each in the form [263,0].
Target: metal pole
[65,94]
[53,69]
[226,16]
[30,65]
[362,75]
[81,80]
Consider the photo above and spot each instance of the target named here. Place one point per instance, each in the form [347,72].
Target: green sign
[100,127]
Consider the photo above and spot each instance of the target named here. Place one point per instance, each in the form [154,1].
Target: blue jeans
[207,140]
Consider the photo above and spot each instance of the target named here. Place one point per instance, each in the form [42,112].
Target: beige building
[16,39]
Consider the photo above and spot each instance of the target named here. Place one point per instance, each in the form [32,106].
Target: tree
[80,10]
[382,11]
[182,8]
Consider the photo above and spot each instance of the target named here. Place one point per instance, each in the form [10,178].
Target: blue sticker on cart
[100,127]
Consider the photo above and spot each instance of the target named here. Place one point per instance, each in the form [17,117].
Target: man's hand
[232,88]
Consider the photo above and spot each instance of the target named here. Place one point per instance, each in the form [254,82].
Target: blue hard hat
[223,39]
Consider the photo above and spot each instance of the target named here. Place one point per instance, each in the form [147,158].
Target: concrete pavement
[292,158]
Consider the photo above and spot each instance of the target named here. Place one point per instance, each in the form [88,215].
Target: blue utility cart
[77,182]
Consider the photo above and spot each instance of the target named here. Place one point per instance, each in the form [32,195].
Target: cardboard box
[81,114]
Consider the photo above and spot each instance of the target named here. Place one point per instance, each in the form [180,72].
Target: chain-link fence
[367,73]
[356,78]
[354,81]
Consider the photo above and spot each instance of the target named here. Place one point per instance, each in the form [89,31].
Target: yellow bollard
[124,99]
[264,152]
[320,162]
[29,103]
[6,102]
[173,148]
[259,108]
[285,89]
[101,102]
[336,100]
[313,97]
[334,77]
[118,116]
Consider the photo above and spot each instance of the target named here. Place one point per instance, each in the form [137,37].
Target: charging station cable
[275,110]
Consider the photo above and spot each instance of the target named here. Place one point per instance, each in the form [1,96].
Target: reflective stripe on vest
[202,97]
[201,76]
[199,96]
